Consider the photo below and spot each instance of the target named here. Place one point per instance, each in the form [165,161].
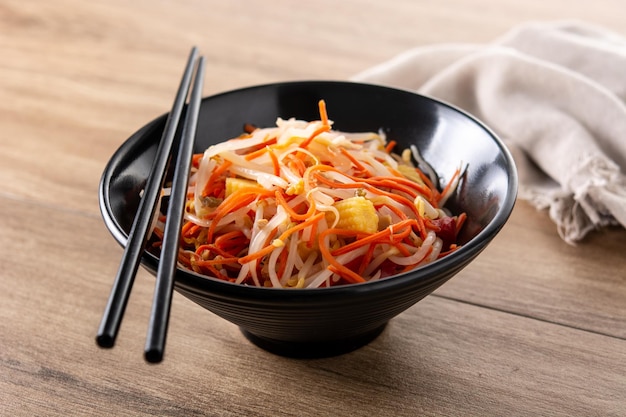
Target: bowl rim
[198,283]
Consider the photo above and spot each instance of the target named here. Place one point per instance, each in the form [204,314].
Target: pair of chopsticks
[139,233]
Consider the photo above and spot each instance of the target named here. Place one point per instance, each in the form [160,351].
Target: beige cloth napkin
[555,93]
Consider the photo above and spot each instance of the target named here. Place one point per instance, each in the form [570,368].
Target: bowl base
[313,349]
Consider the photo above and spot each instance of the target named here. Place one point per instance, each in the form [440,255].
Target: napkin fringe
[598,196]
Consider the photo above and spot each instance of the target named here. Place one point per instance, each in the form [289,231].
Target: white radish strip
[342,259]
[316,280]
[196,220]
[424,208]
[385,157]
[452,187]
[424,166]
[437,245]
[376,168]
[289,175]
[243,274]
[262,236]
[272,267]
[307,268]
[207,165]
[385,211]
[291,259]
[261,174]
[338,193]
[376,276]
[319,197]
[363,137]
[388,201]
[379,259]
[259,136]
[287,135]
[294,149]
[238,216]
[417,256]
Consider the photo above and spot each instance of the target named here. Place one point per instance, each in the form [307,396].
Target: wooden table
[533,327]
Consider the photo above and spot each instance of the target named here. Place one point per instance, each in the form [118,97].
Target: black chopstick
[135,245]
[159,317]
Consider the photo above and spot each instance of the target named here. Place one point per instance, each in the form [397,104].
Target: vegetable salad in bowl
[301,205]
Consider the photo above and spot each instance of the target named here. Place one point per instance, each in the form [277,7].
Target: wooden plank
[529,270]
[440,357]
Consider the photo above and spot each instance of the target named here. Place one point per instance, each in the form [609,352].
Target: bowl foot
[313,349]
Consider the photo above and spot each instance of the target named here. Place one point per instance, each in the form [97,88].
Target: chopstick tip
[153,355]
[105,341]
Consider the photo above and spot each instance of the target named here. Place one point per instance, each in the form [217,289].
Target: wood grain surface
[533,327]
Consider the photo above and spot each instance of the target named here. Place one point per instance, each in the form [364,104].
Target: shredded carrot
[220,170]
[280,240]
[255,154]
[390,146]
[384,236]
[355,161]
[275,163]
[238,199]
[457,172]
[196,158]
[317,132]
[335,266]
[323,114]
[280,199]
[367,258]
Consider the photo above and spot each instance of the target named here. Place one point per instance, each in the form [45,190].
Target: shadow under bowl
[329,321]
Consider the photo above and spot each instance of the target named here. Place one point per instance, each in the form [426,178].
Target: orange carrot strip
[158,233]
[275,163]
[310,221]
[189,229]
[318,131]
[422,227]
[363,184]
[399,183]
[228,240]
[257,255]
[354,161]
[214,175]
[457,172]
[296,164]
[260,253]
[269,248]
[236,200]
[396,210]
[323,114]
[255,154]
[196,158]
[390,146]
[280,200]
[426,179]
[402,248]
[387,235]
[338,268]
[449,251]
[460,221]
[367,258]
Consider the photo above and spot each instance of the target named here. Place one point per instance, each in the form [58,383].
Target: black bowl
[328,321]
